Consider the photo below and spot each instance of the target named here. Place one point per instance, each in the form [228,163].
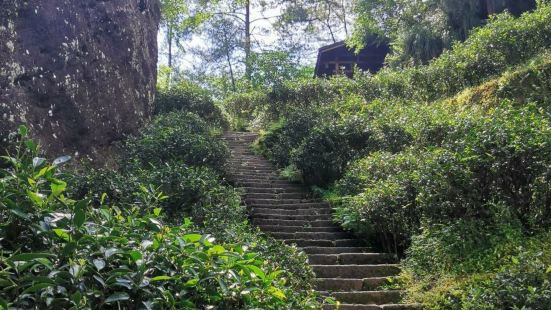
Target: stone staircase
[345,269]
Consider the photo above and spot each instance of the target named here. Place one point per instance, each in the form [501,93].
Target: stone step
[323,242]
[351,307]
[293,229]
[289,207]
[273,190]
[284,201]
[279,196]
[255,175]
[289,217]
[366,297]
[340,284]
[268,185]
[262,181]
[310,235]
[336,250]
[302,205]
[326,212]
[351,259]
[300,223]
[355,271]
[372,307]
[252,168]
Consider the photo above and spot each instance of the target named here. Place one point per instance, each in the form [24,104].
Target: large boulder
[81,74]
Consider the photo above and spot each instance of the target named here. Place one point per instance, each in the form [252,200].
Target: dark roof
[371,57]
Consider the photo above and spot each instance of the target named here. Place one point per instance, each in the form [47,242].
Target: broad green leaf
[61,160]
[120,296]
[112,251]
[192,238]
[216,250]
[23,131]
[157,211]
[62,234]
[192,282]
[257,271]
[36,198]
[38,162]
[58,187]
[79,218]
[277,293]
[99,263]
[161,278]
[30,256]
[135,255]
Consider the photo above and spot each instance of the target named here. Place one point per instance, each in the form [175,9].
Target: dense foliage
[446,163]
[189,97]
[161,232]
[420,30]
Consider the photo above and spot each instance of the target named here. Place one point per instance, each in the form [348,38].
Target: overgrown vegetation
[445,164]
[162,231]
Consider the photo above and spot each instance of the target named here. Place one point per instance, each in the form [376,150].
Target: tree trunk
[248,39]
[169,36]
[231,72]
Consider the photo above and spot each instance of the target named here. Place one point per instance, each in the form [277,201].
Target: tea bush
[68,254]
[446,163]
[189,97]
[183,137]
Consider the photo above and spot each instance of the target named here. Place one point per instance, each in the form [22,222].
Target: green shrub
[283,137]
[68,254]
[245,108]
[325,152]
[473,265]
[189,97]
[379,198]
[176,136]
[190,190]
[501,159]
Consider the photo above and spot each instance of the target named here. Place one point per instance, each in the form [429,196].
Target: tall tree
[421,29]
[178,20]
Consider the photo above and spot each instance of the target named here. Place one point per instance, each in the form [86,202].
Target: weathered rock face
[81,74]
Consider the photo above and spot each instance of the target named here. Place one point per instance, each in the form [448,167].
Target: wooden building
[337,58]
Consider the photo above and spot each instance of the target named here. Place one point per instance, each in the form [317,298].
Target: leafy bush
[325,152]
[189,97]
[69,254]
[190,190]
[181,137]
[244,108]
[470,265]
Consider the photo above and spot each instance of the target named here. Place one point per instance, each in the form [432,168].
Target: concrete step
[302,205]
[336,250]
[268,185]
[262,181]
[300,223]
[273,190]
[289,217]
[293,229]
[366,297]
[326,212]
[279,197]
[340,284]
[356,271]
[310,235]
[351,259]
[289,207]
[255,175]
[372,307]
[284,201]
[323,242]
